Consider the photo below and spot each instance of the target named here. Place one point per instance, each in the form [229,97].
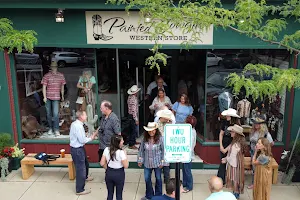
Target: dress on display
[225,101]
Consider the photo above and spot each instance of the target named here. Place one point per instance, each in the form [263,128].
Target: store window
[219,96]
[51,118]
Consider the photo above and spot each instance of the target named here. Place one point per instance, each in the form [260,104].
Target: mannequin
[53,91]
[243,110]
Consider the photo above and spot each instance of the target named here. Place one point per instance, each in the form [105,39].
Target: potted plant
[17,156]
[5,154]
[3,167]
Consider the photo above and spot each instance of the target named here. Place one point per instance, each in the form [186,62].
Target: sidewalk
[53,184]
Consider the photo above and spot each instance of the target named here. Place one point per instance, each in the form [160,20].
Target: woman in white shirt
[114,160]
[160,101]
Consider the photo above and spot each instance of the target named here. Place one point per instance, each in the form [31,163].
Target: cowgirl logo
[97,29]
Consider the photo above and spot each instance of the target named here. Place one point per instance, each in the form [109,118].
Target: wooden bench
[274,165]
[28,162]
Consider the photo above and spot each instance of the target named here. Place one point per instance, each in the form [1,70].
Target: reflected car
[27,59]
[213,60]
[239,60]
[65,58]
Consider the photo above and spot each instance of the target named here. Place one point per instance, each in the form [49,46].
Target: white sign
[178,143]
[117,27]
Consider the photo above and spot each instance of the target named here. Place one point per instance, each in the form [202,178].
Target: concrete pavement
[53,184]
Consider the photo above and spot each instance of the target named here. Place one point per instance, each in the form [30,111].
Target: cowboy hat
[230,112]
[258,120]
[53,64]
[133,90]
[167,114]
[151,126]
[237,129]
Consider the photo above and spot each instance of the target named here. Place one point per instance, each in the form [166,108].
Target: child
[235,161]
[263,171]
[151,154]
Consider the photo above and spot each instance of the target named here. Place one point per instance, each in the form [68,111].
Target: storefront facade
[119,53]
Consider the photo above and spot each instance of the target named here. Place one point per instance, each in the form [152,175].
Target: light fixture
[59,16]
[242,21]
[148,18]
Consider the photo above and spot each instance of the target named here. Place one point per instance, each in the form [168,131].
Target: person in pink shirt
[53,91]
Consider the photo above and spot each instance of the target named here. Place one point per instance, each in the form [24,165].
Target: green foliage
[5,141]
[248,17]
[15,39]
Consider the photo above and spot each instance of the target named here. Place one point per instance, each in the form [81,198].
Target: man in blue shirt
[77,141]
[170,190]
[215,185]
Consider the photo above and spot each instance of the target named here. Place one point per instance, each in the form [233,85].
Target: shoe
[50,132]
[144,198]
[250,187]
[90,178]
[57,133]
[84,192]
[133,147]
[185,190]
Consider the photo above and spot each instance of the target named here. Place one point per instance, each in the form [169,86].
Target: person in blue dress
[182,109]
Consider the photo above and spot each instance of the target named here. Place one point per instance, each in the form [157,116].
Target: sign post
[178,144]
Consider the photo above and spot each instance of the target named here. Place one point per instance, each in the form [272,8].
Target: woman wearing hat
[235,178]
[151,154]
[133,109]
[225,138]
[259,130]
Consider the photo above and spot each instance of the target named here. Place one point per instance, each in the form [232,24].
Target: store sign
[117,27]
[178,143]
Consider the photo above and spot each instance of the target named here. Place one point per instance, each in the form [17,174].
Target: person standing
[160,101]
[109,126]
[263,172]
[225,138]
[182,109]
[235,174]
[77,141]
[53,91]
[187,175]
[151,154]
[170,191]
[114,160]
[133,109]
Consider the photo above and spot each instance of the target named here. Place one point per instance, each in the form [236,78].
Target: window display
[53,83]
[219,97]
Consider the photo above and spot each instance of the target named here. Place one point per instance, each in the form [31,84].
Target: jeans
[222,168]
[253,166]
[187,176]
[133,134]
[52,108]
[82,167]
[158,182]
[114,178]
[166,171]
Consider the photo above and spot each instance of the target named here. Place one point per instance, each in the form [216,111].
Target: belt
[76,147]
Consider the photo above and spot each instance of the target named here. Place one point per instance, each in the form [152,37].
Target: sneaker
[50,132]
[57,133]
[84,192]
[250,187]
[90,178]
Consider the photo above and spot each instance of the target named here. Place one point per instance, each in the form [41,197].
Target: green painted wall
[5,115]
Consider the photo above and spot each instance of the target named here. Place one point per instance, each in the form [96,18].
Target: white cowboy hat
[53,64]
[167,114]
[134,89]
[230,112]
[151,126]
[237,129]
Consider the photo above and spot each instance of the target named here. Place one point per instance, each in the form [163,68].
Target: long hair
[114,146]
[156,136]
[160,90]
[262,130]
[186,99]
[240,140]
[265,142]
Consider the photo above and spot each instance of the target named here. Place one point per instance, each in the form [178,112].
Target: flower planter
[296,177]
[16,163]
[10,165]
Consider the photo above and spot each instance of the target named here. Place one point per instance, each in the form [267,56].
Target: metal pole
[118,82]
[177,177]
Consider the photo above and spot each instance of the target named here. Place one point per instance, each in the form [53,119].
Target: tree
[12,39]
[247,17]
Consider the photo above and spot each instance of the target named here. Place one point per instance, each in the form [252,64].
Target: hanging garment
[243,108]
[225,101]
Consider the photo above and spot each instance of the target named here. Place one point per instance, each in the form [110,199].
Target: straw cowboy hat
[133,90]
[53,64]
[230,112]
[167,114]
[258,120]
[151,126]
[237,129]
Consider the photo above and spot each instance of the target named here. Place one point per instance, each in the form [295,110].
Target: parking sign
[177,143]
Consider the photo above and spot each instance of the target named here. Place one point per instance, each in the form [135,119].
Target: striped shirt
[133,106]
[108,127]
[53,82]
[151,154]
